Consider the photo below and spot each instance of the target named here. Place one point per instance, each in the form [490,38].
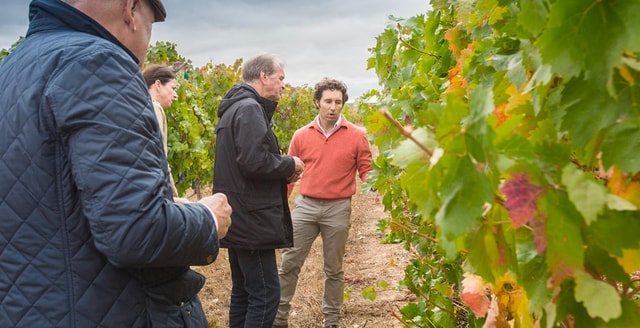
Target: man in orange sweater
[333,151]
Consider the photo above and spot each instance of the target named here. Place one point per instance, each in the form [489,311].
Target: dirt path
[367,263]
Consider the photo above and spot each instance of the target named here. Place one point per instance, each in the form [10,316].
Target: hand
[297,172]
[294,178]
[221,209]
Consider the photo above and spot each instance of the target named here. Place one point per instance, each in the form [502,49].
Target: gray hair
[264,62]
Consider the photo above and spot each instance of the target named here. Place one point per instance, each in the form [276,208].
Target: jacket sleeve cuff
[215,219]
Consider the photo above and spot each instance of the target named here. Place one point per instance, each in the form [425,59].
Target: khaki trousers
[312,217]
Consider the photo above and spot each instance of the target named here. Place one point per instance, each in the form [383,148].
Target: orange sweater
[330,164]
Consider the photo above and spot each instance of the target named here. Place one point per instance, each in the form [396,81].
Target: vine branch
[413,231]
[410,46]
[406,133]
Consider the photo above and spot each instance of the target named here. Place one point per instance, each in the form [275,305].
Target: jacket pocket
[187,314]
[259,203]
[175,303]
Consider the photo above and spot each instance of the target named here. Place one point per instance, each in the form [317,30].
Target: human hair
[330,84]
[153,73]
[264,62]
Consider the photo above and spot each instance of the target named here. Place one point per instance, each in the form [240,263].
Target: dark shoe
[331,326]
[280,326]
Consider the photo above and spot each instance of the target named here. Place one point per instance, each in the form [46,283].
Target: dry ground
[367,263]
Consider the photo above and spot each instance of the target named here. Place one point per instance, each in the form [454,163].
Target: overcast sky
[314,38]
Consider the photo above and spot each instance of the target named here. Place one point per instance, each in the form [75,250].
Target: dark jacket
[89,235]
[250,170]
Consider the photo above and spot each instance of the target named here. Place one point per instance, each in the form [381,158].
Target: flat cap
[158,8]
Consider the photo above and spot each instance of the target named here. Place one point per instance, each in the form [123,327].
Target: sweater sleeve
[363,160]
[293,151]
[106,120]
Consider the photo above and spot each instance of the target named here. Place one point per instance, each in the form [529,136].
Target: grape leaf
[408,151]
[465,191]
[521,197]
[474,294]
[619,204]
[588,196]
[621,186]
[532,16]
[630,260]
[515,70]
[598,261]
[616,231]
[589,109]
[584,24]
[481,105]
[620,147]
[492,255]
[533,276]
[599,298]
[562,231]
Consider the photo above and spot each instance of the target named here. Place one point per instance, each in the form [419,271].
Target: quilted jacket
[250,170]
[89,235]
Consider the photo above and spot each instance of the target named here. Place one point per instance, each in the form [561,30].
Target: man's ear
[130,10]
[315,102]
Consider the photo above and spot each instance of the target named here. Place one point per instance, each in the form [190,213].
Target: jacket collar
[45,15]
[268,105]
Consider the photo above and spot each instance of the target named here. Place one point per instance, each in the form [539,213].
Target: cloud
[314,38]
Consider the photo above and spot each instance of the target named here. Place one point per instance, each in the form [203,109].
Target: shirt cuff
[215,219]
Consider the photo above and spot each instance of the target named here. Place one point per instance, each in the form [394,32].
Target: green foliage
[295,110]
[191,120]
[5,52]
[508,133]
[371,293]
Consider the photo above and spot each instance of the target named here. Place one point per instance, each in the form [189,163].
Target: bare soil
[368,263]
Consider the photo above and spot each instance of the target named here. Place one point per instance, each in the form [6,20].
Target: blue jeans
[256,288]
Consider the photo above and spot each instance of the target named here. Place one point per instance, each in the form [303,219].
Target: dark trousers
[256,288]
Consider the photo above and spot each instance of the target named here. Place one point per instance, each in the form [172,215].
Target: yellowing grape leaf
[512,301]
[517,97]
[474,294]
[599,298]
[619,185]
[626,74]
[500,111]
[630,260]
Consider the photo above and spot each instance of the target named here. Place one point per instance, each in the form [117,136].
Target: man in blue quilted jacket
[89,233]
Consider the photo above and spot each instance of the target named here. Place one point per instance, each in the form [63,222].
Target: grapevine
[508,135]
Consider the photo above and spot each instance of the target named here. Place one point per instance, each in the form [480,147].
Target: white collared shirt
[335,127]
